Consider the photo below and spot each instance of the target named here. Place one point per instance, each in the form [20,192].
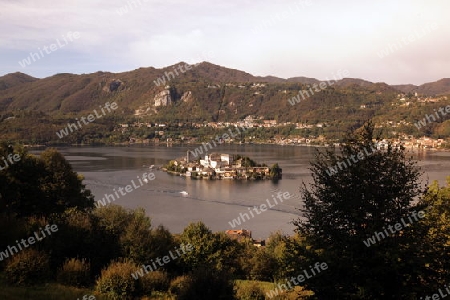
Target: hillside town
[299,133]
[306,132]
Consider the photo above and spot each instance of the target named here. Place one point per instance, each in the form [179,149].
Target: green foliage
[116,281]
[11,229]
[344,209]
[155,281]
[161,242]
[212,250]
[49,291]
[20,184]
[201,237]
[135,239]
[432,234]
[206,284]
[80,235]
[280,253]
[173,167]
[275,171]
[179,284]
[74,272]
[250,291]
[132,228]
[41,186]
[246,289]
[262,265]
[28,267]
[62,185]
[247,162]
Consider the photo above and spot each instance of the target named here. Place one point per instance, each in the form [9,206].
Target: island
[222,166]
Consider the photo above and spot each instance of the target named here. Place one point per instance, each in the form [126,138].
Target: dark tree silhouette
[369,190]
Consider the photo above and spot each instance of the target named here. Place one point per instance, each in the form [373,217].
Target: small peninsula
[222,166]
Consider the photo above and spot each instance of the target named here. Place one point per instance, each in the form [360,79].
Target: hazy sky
[284,38]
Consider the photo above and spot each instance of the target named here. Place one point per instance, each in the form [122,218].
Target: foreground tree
[138,241]
[210,250]
[355,194]
[62,186]
[432,235]
[40,186]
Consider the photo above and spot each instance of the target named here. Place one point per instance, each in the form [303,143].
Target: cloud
[311,41]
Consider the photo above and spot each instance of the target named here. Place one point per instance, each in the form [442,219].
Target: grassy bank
[53,291]
[46,292]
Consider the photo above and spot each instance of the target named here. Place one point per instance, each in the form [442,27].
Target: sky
[392,41]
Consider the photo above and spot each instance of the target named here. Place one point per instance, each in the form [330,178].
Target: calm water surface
[218,202]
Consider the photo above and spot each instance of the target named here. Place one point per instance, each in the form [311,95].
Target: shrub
[116,281]
[179,284]
[155,281]
[250,291]
[74,272]
[28,267]
[206,284]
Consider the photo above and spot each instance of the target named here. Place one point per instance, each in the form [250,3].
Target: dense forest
[358,236]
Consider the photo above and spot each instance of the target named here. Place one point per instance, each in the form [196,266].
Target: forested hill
[205,92]
[214,87]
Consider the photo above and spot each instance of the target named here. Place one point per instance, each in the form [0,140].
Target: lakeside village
[308,134]
[162,135]
[284,133]
[222,166]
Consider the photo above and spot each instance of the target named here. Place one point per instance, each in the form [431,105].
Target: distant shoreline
[127,144]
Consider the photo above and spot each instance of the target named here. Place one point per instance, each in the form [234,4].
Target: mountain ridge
[206,92]
[33,109]
[223,74]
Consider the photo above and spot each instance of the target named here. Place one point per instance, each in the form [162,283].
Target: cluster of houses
[424,143]
[220,166]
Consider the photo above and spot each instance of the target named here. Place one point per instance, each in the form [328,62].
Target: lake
[214,202]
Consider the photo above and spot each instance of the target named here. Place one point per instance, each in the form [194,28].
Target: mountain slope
[406,88]
[439,87]
[34,109]
[14,79]
[206,92]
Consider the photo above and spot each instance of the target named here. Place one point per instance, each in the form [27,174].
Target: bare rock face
[187,97]
[143,110]
[113,86]
[163,98]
